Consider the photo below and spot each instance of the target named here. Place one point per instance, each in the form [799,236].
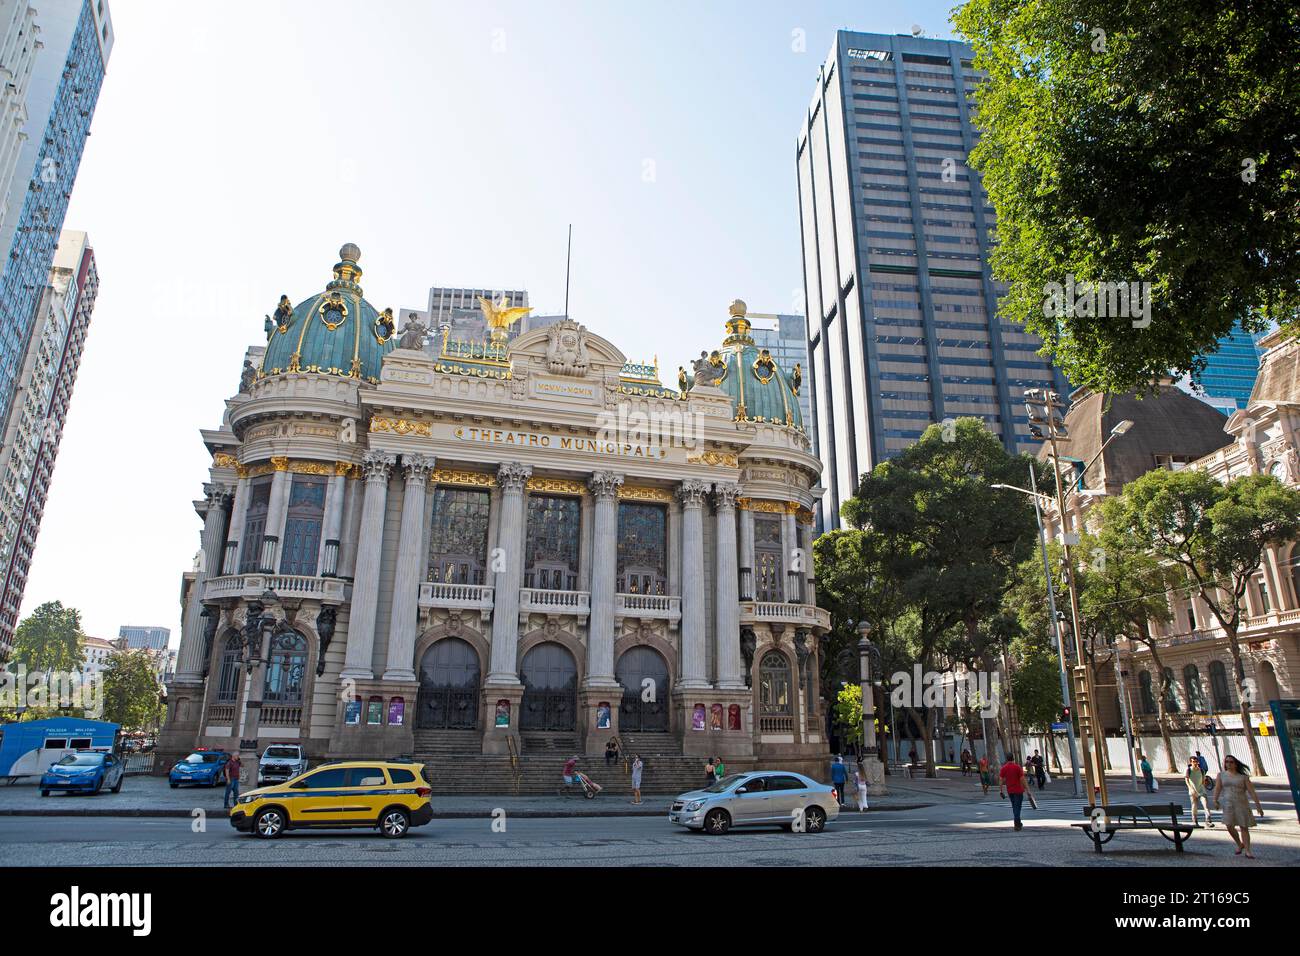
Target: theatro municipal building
[415,545]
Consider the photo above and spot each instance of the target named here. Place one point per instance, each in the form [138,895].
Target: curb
[522,813]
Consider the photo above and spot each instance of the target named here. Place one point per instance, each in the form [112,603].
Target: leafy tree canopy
[50,639]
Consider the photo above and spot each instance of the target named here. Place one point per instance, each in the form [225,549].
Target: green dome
[336,332]
[760,390]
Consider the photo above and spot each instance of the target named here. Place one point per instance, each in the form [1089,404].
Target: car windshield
[81,760]
[726,783]
[289,752]
[203,758]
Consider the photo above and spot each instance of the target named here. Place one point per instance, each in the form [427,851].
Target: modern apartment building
[18,48]
[1230,372]
[34,426]
[903,327]
[151,638]
[73,40]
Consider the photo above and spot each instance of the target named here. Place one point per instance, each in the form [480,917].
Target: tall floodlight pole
[1056,633]
[1123,706]
[1044,408]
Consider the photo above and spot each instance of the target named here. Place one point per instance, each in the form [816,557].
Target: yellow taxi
[383,795]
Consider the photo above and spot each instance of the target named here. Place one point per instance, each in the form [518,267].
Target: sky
[237,146]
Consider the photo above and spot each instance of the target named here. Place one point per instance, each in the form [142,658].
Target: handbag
[1155,784]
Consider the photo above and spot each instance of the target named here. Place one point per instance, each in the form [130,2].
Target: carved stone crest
[566,350]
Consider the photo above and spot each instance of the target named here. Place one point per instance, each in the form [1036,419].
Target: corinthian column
[692,493]
[377,466]
[604,487]
[410,563]
[189,657]
[726,599]
[503,669]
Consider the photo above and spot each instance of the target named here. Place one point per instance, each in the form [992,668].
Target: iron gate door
[644,675]
[550,680]
[448,696]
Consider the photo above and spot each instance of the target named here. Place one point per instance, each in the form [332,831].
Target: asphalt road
[933,836]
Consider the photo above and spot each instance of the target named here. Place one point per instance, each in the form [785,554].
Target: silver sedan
[759,798]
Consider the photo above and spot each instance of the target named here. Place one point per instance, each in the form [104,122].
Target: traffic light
[1065,715]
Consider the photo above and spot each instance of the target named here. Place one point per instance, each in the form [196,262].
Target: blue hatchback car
[87,771]
[206,767]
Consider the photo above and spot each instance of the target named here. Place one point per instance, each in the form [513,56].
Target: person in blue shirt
[1202,763]
[839,775]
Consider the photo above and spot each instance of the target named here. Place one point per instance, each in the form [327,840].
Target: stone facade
[500,543]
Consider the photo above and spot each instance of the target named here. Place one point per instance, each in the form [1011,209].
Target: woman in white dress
[1233,792]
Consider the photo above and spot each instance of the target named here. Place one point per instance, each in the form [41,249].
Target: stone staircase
[441,742]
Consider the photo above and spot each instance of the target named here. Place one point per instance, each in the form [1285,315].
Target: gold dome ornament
[764,367]
[737,326]
[796,378]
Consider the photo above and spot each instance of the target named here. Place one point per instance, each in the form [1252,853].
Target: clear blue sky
[236,146]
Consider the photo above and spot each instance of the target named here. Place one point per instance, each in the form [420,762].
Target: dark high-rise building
[902,310]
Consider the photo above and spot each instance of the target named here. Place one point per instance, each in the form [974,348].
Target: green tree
[50,639]
[131,693]
[950,541]
[848,711]
[1216,535]
[1141,142]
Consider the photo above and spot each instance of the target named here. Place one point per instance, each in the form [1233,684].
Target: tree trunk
[1243,701]
[931,715]
[1162,712]
[1056,757]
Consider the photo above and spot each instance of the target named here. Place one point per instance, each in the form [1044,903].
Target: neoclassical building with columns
[495,547]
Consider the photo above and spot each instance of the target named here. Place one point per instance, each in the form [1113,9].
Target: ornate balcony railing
[325,590]
[539,601]
[221,714]
[664,607]
[474,597]
[281,715]
[776,724]
[770,612]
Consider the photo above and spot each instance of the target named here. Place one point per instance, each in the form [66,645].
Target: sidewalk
[151,797]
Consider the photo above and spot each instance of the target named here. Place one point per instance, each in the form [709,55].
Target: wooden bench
[1105,821]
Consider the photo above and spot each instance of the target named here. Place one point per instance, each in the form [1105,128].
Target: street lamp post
[871,766]
[1123,706]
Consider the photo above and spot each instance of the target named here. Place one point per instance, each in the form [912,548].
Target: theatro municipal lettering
[486,570]
[595,446]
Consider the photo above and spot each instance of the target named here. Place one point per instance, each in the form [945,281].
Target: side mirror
[740,790]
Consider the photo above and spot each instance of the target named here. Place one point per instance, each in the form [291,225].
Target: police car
[203,766]
[87,771]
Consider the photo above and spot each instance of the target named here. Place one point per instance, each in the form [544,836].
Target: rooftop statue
[500,315]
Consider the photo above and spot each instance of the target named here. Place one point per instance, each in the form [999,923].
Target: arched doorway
[448,697]
[550,679]
[643,673]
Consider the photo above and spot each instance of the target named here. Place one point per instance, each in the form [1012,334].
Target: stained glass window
[302,526]
[259,500]
[767,558]
[642,548]
[458,540]
[554,524]
[284,668]
[774,685]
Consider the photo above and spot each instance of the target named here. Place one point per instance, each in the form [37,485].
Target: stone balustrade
[663,607]
[538,601]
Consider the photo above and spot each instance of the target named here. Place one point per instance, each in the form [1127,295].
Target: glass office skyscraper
[896,229]
[1230,371]
[75,38]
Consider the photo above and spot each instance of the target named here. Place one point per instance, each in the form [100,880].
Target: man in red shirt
[1012,777]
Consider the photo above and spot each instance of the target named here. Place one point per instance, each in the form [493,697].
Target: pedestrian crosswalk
[1059,806]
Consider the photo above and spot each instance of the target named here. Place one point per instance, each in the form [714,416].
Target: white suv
[281,762]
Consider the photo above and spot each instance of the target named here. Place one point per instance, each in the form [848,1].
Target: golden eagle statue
[500,315]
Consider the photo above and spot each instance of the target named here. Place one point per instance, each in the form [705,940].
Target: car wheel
[99,785]
[717,822]
[117,787]
[814,820]
[394,823]
[45,793]
[269,824]
[173,785]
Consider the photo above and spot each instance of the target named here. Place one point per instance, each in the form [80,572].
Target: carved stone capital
[605,484]
[418,467]
[378,465]
[513,476]
[691,492]
[725,494]
[216,493]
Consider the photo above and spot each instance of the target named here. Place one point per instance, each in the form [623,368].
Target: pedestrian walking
[637,767]
[569,774]
[1233,791]
[1040,773]
[1147,777]
[965,763]
[839,776]
[986,775]
[1195,778]
[709,778]
[232,782]
[719,769]
[860,779]
[1012,786]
